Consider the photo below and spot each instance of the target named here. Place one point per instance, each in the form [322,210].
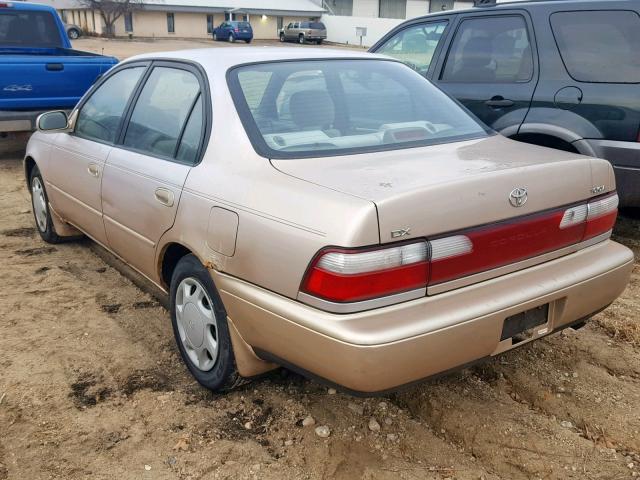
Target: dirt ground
[91,386]
[122,49]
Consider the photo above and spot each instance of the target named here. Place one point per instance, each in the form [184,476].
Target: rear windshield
[599,46]
[313,25]
[297,109]
[243,24]
[33,29]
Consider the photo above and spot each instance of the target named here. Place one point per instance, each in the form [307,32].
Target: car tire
[40,208]
[73,33]
[200,325]
[301,39]
[282,37]
[215,37]
[319,42]
[231,38]
[248,41]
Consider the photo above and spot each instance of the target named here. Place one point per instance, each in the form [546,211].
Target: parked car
[233,30]
[302,32]
[330,211]
[73,31]
[39,70]
[559,74]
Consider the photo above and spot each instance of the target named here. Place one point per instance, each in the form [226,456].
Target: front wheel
[200,326]
[215,37]
[231,38]
[41,211]
[282,37]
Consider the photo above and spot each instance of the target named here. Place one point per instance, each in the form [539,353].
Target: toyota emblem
[518,197]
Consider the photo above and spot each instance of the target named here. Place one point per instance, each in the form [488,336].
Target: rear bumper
[625,158]
[386,348]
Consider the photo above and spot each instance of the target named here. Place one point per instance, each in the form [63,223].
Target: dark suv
[564,73]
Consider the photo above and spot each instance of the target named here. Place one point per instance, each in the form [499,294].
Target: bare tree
[111,11]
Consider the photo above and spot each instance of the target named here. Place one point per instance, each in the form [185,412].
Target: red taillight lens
[350,276]
[236,29]
[341,275]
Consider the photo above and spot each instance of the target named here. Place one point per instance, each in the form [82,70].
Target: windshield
[296,109]
[32,29]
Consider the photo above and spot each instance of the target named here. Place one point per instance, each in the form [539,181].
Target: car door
[78,158]
[417,44]
[490,65]
[146,170]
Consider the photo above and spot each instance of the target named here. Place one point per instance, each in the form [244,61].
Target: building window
[128,22]
[63,16]
[339,7]
[393,9]
[171,24]
[209,23]
[227,17]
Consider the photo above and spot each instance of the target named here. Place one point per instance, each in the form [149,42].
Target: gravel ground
[91,385]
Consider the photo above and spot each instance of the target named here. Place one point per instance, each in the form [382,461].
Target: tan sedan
[329,211]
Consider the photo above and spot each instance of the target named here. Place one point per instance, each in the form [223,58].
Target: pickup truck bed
[39,71]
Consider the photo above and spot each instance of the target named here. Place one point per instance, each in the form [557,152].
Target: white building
[346,18]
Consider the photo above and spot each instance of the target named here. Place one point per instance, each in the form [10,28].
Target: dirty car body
[355,222]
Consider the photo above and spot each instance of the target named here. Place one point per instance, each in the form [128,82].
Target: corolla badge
[518,197]
[18,88]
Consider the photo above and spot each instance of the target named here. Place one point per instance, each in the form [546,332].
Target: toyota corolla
[329,211]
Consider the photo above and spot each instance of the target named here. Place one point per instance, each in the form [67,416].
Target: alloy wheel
[39,204]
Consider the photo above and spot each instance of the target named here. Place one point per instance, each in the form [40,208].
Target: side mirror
[52,121]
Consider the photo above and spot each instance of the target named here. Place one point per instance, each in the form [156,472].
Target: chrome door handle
[94,170]
[164,196]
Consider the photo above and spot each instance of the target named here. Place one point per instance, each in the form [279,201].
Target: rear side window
[161,111]
[317,26]
[29,28]
[415,45]
[100,116]
[599,46]
[490,50]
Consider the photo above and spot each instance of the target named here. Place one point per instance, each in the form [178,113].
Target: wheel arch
[170,254]
[29,164]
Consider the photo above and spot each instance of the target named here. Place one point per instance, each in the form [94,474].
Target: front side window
[99,118]
[161,111]
[490,50]
[28,28]
[312,108]
[415,45]
[171,26]
[599,46]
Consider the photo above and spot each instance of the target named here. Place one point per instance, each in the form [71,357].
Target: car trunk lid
[436,190]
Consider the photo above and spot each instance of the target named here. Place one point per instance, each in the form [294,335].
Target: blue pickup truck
[39,71]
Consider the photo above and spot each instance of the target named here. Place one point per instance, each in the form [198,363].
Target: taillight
[340,275]
[353,275]
[236,29]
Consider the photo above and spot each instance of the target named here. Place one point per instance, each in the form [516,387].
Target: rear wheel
[41,211]
[248,40]
[231,38]
[200,326]
[319,41]
[301,39]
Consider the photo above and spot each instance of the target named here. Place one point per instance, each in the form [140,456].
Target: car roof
[224,58]
[509,4]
